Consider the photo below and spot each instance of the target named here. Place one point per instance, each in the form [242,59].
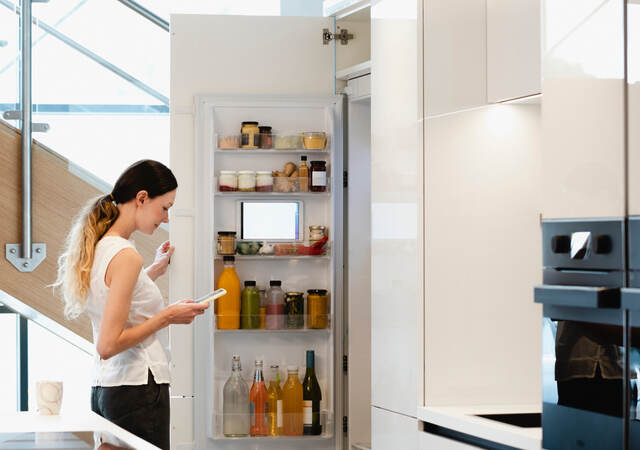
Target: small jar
[228,181]
[318,178]
[264,181]
[294,309]
[226,243]
[246,180]
[250,135]
[316,233]
[317,308]
[266,139]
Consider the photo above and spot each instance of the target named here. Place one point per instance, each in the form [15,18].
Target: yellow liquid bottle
[274,401]
[292,403]
[228,306]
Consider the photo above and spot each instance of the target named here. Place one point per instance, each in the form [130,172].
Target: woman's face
[151,212]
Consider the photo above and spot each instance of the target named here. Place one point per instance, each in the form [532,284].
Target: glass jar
[317,308]
[316,233]
[250,135]
[226,243]
[294,309]
[314,140]
[246,181]
[318,178]
[228,181]
[264,181]
[266,139]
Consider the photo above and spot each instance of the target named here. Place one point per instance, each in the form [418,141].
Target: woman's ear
[141,196]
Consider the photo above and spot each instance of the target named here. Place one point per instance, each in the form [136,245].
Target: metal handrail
[25,102]
[144,12]
[85,51]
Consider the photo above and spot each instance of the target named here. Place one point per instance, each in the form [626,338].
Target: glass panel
[9,51]
[54,359]
[8,355]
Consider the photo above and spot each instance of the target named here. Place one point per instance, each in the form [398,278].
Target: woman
[100,272]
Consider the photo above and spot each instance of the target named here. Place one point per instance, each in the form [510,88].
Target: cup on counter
[49,397]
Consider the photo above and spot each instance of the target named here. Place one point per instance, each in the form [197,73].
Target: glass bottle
[311,397]
[235,403]
[275,403]
[228,306]
[275,306]
[263,308]
[258,399]
[250,318]
[292,403]
[303,174]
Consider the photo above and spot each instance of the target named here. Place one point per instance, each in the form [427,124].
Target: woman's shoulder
[112,245]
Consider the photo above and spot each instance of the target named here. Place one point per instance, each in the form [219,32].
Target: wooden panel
[57,197]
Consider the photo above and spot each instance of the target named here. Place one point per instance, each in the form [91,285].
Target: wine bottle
[311,397]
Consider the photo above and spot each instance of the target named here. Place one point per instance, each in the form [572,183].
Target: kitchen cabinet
[513,49]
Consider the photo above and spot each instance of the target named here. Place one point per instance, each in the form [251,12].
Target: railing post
[22,362]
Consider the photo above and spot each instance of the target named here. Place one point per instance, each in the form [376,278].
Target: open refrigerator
[217,117]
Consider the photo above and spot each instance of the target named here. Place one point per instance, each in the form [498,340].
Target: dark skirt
[141,410]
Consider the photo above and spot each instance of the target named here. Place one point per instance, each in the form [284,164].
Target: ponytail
[76,260]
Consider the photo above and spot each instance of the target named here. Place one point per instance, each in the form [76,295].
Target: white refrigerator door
[244,56]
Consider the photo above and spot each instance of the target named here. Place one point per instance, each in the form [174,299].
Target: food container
[266,139]
[250,135]
[264,181]
[318,176]
[248,247]
[285,184]
[294,309]
[246,181]
[226,243]
[228,181]
[228,141]
[317,308]
[285,249]
[287,141]
[316,233]
[314,140]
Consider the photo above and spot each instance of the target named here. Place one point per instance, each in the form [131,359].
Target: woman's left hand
[162,260]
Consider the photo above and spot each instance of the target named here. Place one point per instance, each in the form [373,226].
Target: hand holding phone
[212,296]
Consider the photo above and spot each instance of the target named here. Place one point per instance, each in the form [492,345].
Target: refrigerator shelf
[272,438]
[256,194]
[326,331]
[236,151]
[278,258]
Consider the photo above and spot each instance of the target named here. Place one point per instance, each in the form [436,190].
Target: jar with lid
[228,181]
[246,181]
[250,135]
[317,308]
[316,233]
[264,181]
[318,178]
[266,139]
[294,309]
[226,242]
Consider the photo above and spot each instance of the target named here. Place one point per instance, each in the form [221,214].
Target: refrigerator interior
[219,211]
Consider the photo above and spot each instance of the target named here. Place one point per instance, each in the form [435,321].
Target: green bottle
[311,397]
[250,313]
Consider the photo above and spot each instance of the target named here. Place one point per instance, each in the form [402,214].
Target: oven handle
[577,296]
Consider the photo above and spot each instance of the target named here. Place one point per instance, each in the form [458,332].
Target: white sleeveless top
[131,366]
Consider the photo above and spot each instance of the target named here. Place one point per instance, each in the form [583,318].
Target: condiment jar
[228,181]
[246,180]
[316,233]
[317,308]
[266,139]
[226,242]
[318,176]
[264,181]
[250,135]
[294,309]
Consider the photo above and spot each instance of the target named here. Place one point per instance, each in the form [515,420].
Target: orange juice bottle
[228,306]
[292,403]
[258,403]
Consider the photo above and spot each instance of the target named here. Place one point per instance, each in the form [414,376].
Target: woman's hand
[183,312]
[161,262]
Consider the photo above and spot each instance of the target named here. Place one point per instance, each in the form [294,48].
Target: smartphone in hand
[212,296]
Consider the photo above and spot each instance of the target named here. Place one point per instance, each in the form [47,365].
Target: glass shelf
[256,194]
[236,151]
[272,438]
[276,257]
[283,331]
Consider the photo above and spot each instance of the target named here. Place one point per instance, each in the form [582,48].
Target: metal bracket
[17,115]
[328,36]
[14,252]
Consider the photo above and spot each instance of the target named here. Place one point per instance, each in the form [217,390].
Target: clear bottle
[275,403]
[303,174]
[311,397]
[275,306]
[235,403]
[258,399]
[292,403]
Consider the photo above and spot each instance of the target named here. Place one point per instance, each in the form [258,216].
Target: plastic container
[287,141]
[314,140]
[228,141]
[286,184]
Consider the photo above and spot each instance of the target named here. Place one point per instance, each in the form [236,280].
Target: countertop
[463,419]
[85,421]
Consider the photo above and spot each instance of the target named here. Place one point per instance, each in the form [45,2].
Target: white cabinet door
[513,49]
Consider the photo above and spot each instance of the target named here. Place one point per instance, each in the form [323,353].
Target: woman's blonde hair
[94,220]
[76,260]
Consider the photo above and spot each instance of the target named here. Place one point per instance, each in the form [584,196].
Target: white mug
[49,397]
